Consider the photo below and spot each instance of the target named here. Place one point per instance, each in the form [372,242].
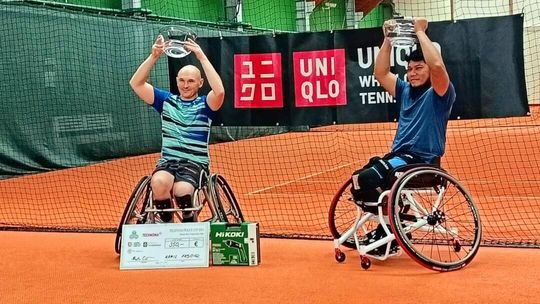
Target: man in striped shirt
[185,127]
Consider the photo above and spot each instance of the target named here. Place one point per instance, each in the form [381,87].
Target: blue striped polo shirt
[185,127]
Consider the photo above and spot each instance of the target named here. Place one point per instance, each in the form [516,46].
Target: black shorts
[183,170]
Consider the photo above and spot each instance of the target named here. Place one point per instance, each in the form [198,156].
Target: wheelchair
[212,201]
[425,212]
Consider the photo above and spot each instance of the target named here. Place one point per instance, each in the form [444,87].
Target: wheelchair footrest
[376,235]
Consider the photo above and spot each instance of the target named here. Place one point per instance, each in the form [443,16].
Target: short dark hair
[415,55]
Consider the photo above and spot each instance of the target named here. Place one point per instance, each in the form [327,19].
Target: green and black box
[235,244]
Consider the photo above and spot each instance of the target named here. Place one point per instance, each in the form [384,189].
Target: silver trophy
[401,32]
[174,38]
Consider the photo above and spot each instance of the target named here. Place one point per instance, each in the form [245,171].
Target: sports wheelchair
[212,201]
[425,212]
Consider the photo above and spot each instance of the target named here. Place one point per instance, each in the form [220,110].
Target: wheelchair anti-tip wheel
[226,204]
[342,215]
[365,262]
[339,255]
[134,213]
[434,219]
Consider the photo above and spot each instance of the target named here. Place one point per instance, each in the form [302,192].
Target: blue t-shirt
[422,121]
[185,127]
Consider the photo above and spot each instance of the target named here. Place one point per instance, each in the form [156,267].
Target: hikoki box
[235,244]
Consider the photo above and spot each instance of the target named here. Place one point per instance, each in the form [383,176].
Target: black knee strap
[183,201]
[162,204]
[370,181]
[371,177]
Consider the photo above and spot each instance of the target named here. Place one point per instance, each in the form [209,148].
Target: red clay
[82,268]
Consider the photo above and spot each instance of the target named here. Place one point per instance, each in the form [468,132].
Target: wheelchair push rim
[434,219]
[225,202]
[131,212]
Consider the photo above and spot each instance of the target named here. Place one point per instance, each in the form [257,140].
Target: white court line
[300,179]
[293,194]
[348,164]
[496,182]
[512,197]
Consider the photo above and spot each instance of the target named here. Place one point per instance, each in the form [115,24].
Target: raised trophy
[174,38]
[401,32]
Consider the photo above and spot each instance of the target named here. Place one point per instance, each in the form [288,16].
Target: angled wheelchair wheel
[226,205]
[434,219]
[342,214]
[134,213]
[207,213]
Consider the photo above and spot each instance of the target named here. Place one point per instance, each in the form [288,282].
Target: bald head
[190,71]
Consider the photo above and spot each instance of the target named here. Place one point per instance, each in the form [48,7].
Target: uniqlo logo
[319,78]
[257,81]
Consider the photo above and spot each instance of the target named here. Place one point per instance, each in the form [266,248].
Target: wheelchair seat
[424,182]
[394,174]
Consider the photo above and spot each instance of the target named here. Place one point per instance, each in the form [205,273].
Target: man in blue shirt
[185,123]
[425,103]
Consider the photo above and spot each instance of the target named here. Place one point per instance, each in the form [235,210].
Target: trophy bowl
[401,32]
[174,38]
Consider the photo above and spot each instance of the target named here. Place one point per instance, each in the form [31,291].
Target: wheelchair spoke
[448,236]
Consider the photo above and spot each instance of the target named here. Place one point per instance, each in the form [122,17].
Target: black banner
[327,77]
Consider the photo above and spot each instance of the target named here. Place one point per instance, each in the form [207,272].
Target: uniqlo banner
[326,78]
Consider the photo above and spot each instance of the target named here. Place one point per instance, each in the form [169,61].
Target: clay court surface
[42,267]
[82,268]
[286,182]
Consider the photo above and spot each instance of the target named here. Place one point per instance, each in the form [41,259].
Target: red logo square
[319,78]
[257,81]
